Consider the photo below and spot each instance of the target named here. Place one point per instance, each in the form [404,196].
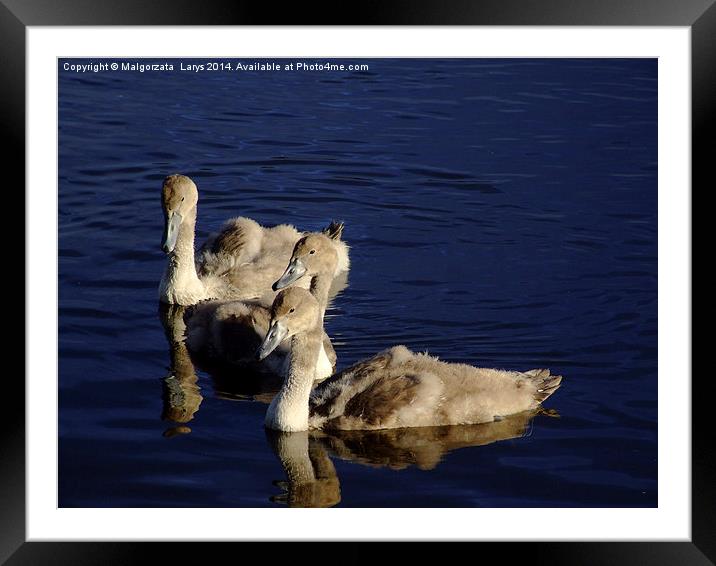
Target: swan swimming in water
[396,388]
[231,331]
[239,262]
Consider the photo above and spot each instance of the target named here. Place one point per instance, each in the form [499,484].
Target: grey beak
[293,273]
[276,334]
[171,231]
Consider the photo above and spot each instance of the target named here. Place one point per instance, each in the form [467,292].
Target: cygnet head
[294,310]
[313,254]
[179,197]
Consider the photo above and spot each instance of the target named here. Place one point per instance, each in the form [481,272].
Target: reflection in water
[181,396]
[244,384]
[424,447]
[312,479]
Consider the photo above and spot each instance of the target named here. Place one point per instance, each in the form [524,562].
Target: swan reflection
[181,396]
[311,476]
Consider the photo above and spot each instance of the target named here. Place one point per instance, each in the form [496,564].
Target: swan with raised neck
[180,283]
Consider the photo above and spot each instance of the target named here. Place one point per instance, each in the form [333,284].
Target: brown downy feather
[229,241]
[361,372]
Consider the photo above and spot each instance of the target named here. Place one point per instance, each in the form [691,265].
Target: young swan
[240,262]
[396,388]
[231,331]
[315,259]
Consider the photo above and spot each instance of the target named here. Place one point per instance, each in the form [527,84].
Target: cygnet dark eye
[312,252]
[292,310]
[182,199]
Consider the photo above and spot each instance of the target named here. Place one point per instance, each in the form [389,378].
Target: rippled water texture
[500,212]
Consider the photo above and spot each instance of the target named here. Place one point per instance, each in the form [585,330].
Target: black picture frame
[16,15]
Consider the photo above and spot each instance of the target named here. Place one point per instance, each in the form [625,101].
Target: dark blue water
[500,212]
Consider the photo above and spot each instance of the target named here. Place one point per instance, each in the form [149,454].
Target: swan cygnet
[239,262]
[230,332]
[396,388]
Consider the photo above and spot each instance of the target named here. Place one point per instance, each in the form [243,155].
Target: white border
[671,520]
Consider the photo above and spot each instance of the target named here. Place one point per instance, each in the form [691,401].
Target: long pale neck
[320,286]
[289,408]
[181,259]
[305,348]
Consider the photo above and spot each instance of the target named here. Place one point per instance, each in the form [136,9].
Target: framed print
[428,269]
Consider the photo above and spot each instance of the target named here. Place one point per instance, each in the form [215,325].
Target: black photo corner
[17,15]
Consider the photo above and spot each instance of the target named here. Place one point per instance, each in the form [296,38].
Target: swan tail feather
[545,383]
[334,230]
